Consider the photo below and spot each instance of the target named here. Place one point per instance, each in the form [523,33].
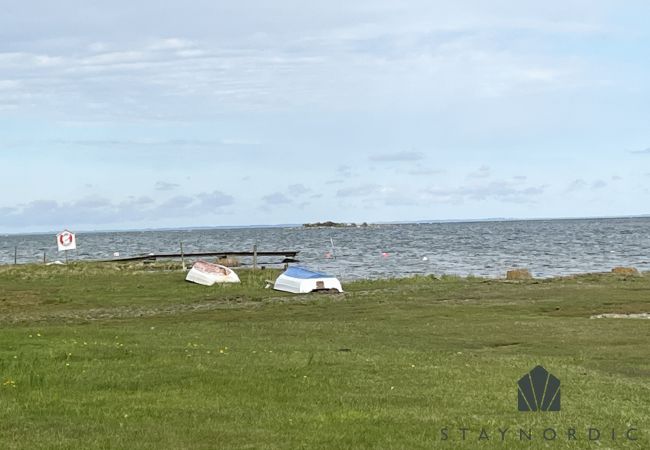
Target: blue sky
[200,113]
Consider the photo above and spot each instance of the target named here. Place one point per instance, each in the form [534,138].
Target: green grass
[108,356]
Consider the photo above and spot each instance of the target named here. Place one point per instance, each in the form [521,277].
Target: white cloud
[576,185]
[298,189]
[363,190]
[166,186]
[482,172]
[503,191]
[339,62]
[276,198]
[100,211]
[171,44]
[598,184]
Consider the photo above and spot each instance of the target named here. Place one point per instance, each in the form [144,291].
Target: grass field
[134,357]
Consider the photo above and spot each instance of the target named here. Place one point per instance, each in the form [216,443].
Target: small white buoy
[424,258]
[116,254]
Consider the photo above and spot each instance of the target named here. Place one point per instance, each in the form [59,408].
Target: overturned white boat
[207,274]
[300,281]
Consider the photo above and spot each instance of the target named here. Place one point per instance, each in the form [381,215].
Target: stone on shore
[518,274]
[229,261]
[632,271]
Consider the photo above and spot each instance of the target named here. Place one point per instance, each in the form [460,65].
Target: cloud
[576,185]
[642,152]
[298,189]
[166,186]
[152,79]
[320,80]
[482,172]
[93,203]
[276,198]
[598,184]
[100,211]
[395,196]
[214,200]
[343,172]
[177,203]
[504,191]
[374,195]
[580,184]
[171,44]
[397,157]
[363,190]
[363,53]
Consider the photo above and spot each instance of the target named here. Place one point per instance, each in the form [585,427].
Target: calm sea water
[546,247]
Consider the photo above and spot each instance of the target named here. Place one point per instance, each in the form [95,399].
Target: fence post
[44,256]
[15,255]
[254,256]
[183,257]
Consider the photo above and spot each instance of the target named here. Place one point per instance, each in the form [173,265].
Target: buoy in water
[384,254]
[424,258]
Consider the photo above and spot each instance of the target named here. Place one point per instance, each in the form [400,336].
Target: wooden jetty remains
[289,256]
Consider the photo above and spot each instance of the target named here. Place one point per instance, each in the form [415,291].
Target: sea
[547,248]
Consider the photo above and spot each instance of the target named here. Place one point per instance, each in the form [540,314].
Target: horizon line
[295,225]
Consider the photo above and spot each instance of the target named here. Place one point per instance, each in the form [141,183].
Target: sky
[147,114]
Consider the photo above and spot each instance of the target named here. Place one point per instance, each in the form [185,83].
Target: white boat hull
[208,274]
[301,281]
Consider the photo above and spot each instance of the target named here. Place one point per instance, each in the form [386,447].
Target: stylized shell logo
[539,391]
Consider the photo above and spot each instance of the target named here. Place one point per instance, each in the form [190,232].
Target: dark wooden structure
[289,256]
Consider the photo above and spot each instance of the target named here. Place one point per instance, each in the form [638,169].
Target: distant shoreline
[298,225]
[330,224]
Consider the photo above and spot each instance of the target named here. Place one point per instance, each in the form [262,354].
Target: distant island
[331,224]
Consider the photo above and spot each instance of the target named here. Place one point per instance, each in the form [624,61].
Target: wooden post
[254,256]
[15,255]
[66,256]
[44,256]
[183,257]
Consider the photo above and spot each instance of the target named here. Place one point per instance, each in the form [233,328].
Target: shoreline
[175,265]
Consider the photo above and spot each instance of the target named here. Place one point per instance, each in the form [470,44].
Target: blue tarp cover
[299,272]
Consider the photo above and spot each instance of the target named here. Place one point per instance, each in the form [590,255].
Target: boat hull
[208,274]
